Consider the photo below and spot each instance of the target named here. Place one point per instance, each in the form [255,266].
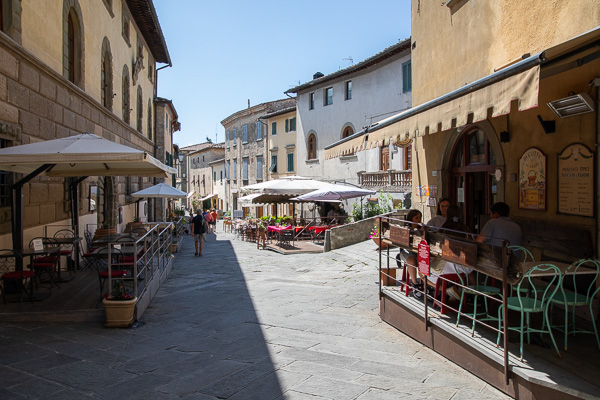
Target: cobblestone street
[239,323]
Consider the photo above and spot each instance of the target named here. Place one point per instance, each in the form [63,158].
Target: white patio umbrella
[82,155]
[289,186]
[162,191]
[335,192]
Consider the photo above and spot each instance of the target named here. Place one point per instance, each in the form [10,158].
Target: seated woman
[455,228]
[410,257]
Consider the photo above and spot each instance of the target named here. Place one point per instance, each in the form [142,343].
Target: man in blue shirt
[500,227]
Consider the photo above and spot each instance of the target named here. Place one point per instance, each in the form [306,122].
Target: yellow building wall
[454,46]
[42,25]
[281,140]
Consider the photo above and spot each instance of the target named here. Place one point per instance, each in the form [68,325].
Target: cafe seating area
[65,277]
[510,324]
[284,235]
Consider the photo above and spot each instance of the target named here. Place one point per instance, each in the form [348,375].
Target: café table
[32,253]
[112,238]
[72,241]
[562,266]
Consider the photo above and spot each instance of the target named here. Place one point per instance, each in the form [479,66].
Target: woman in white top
[442,210]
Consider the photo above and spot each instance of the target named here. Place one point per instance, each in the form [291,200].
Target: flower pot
[119,313]
[173,247]
[383,245]
[101,232]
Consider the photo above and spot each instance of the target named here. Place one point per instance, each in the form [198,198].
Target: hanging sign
[576,181]
[532,180]
[424,258]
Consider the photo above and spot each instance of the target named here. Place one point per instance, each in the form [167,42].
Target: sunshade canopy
[162,191]
[335,192]
[259,199]
[293,186]
[82,155]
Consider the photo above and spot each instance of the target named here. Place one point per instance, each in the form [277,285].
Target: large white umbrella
[288,186]
[335,192]
[162,191]
[82,155]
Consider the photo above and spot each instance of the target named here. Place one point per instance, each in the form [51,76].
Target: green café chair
[526,256]
[478,289]
[537,303]
[581,295]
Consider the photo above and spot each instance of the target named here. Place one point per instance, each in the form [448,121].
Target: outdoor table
[74,242]
[32,253]
[111,238]
[562,266]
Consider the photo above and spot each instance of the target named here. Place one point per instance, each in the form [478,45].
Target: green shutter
[287,125]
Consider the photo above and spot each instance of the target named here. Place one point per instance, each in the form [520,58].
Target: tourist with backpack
[199,228]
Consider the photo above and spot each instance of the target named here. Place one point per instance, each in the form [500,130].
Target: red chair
[46,264]
[22,278]
[101,264]
[441,286]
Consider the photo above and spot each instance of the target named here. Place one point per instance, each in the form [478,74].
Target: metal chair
[538,302]
[47,264]
[480,288]
[582,295]
[102,262]
[66,249]
[21,278]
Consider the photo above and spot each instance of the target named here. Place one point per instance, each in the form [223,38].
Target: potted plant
[377,238]
[106,228]
[119,306]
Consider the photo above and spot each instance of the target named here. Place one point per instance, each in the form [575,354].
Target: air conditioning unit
[143,210]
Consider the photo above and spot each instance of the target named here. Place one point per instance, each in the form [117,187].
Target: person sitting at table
[500,227]
[440,217]
[410,257]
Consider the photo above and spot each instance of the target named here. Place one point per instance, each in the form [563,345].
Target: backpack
[204,226]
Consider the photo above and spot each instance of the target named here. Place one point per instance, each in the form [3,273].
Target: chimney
[248,103]
[318,75]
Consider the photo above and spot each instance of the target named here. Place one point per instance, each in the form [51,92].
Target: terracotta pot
[380,243]
[119,313]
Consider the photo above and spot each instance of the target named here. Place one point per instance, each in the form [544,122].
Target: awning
[450,110]
[161,191]
[190,194]
[496,91]
[210,196]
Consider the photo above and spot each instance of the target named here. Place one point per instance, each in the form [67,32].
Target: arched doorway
[473,185]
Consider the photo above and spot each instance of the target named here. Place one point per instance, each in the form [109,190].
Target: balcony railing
[401,180]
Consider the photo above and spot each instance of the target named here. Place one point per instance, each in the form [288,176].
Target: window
[290,162]
[408,158]
[221,172]
[106,75]
[348,90]
[273,167]
[245,134]
[406,77]
[234,169]
[259,168]
[259,130]
[290,124]
[312,146]
[140,110]
[348,131]
[234,136]
[125,29]
[273,128]
[149,119]
[126,95]
[311,101]
[228,169]
[245,168]
[328,96]
[214,176]
[227,139]
[73,62]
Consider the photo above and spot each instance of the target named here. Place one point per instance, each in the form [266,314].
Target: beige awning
[210,196]
[523,87]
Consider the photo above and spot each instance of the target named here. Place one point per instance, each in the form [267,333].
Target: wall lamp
[547,126]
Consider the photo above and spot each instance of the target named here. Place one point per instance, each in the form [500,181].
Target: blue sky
[225,52]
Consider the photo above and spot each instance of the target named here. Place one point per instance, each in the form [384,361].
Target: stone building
[219,184]
[69,67]
[246,148]
[199,172]
[167,123]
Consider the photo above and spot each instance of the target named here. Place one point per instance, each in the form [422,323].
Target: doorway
[473,186]
[385,158]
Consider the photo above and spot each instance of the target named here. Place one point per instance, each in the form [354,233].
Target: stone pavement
[239,323]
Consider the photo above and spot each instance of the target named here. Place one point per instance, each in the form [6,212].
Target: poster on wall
[532,180]
[576,180]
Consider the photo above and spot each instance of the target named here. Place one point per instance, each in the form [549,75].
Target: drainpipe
[596,82]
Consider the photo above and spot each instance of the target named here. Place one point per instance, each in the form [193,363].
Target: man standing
[213,220]
[500,227]
[198,231]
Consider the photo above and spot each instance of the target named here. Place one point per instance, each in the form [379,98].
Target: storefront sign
[400,235]
[424,258]
[576,181]
[532,180]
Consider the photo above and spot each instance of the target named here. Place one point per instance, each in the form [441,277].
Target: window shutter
[287,125]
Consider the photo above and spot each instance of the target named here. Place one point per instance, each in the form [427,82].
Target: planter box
[119,313]
[173,247]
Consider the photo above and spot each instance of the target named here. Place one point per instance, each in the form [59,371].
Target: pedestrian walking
[213,220]
[198,231]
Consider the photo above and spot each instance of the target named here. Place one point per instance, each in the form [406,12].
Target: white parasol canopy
[291,185]
[335,192]
[162,190]
[82,155]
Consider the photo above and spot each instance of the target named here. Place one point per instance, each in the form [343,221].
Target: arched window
[106,75]
[150,119]
[140,110]
[312,146]
[126,95]
[348,131]
[73,43]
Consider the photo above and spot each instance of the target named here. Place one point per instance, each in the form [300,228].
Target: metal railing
[385,270]
[401,179]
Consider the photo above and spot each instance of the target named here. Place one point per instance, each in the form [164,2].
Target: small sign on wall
[576,181]
[424,258]
[532,180]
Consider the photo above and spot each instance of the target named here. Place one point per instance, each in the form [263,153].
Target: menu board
[576,181]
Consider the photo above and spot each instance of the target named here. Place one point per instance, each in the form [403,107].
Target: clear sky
[226,52]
